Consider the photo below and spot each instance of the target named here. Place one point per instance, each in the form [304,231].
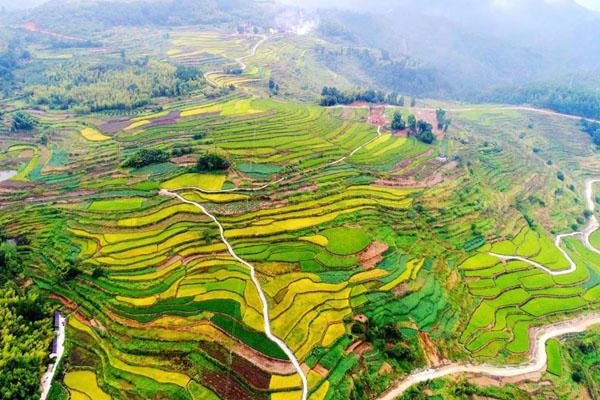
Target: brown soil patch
[68,304]
[402,133]
[377,116]
[321,370]
[433,180]
[168,119]
[185,161]
[114,126]
[254,376]
[302,189]
[484,381]
[400,290]
[360,318]
[97,324]
[359,348]
[432,353]
[373,254]
[227,387]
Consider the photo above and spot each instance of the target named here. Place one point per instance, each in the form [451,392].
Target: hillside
[222,204]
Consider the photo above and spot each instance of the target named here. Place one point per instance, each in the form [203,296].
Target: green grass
[346,241]
[554,363]
[124,204]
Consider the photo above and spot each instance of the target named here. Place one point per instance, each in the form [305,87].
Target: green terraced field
[370,260]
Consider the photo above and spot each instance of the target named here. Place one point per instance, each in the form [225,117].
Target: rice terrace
[217,199]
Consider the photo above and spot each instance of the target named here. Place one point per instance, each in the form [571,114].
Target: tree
[442,121]
[412,122]
[22,121]
[397,122]
[560,175]
[423,126]
[273,86]
[426,137]
[212,162]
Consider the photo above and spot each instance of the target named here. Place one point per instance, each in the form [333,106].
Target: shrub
[560,175]
[577,376]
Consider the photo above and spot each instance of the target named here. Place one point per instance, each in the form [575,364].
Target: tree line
[331,96]
[574,100]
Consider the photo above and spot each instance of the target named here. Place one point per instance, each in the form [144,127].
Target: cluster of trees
[97,87]
[181,151]
[209,162]
[233,70]
[331,96]
[581,101]
[592,129]
[144,157]
[422,130]
[22,121]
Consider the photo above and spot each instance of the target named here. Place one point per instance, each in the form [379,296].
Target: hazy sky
[12,4]
[592,4]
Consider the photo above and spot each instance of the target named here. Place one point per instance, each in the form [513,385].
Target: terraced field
[299,269]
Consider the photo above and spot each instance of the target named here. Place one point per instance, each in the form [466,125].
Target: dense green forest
[567,99]
[393,74]
[86,16]
[592,129]
[25,318]
[98,87]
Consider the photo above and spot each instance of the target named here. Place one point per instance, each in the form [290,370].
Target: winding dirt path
[265,310]
[239,60]
[537,362]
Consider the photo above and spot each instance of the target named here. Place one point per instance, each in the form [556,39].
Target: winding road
[263,299]
[46,382]
[537,362]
